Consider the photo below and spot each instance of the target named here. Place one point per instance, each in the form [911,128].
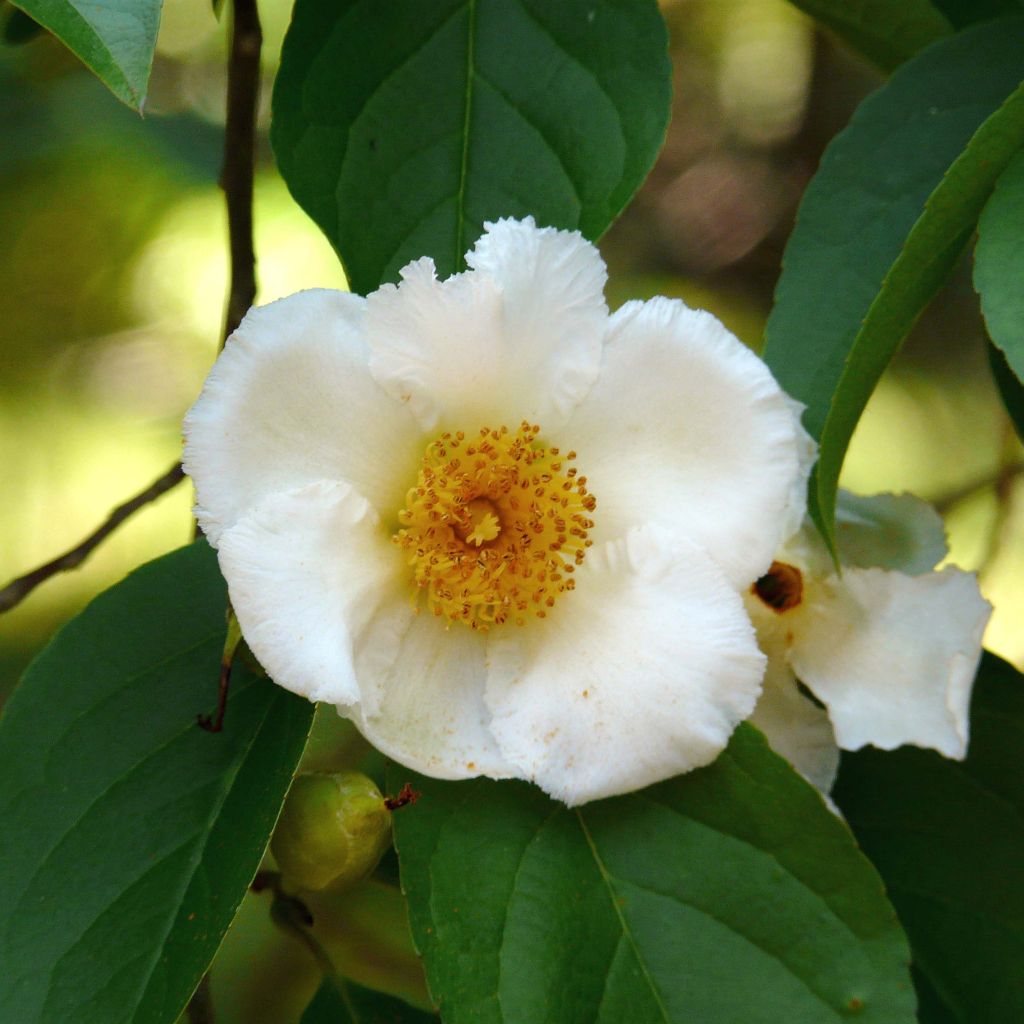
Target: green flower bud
[332,831]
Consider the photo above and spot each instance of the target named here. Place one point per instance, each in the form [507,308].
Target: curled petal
[517,338]
[889,531]
[290,401]
[794,725]
[641,673]
[687,429]
[322,596]
[422,688]
[893,657]
[306,571]
[807,454]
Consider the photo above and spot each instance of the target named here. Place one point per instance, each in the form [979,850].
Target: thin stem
[215,722]
[237,182]
[236,177]
[200,1006]
[18,589]
[1000,479]
[292,916]
[1003,490]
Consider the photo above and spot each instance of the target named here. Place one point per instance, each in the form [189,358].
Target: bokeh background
[112,279]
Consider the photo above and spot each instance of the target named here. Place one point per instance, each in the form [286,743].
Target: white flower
[889,648]
[392,486]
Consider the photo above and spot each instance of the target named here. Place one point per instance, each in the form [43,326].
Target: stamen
[781,587]
[493,528]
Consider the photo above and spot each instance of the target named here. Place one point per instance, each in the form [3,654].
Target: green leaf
[401,127]
[999,264]
[727,894]
[948,838]
[887,32]
[881,225]
[130,834]
[343,1002]
[1011,390]
[115,39]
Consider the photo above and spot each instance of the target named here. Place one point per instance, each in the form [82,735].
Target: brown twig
[200,1006]
[296,909]
[18,589]
[215,722]
[236,178]
[237,182]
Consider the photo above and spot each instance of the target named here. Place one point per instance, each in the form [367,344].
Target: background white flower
[340,455]
[888,649]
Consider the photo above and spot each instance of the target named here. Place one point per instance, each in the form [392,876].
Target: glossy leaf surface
[115,39]
[948,839]
[895,199]
[728,894]
[999,265]
[401,127]
[130,834]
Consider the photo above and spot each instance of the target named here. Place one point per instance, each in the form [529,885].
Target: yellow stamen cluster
[495,526]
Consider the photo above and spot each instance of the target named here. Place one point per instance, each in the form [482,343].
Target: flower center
[495,526]
[781,587]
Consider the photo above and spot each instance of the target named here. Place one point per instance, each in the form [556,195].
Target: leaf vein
[530,123]
[627,933]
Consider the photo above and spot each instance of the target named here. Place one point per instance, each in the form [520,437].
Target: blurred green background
[113,269]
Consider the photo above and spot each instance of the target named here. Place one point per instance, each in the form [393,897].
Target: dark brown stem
[200,1006]
[291,908]
[266,880]
[17,590]
[237,183]
[216,722]
[236,180]
[236,177]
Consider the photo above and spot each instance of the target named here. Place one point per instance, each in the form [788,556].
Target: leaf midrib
[203,833]
[607,877]
[115,64]
[460,208]
[174,909]
[612,898]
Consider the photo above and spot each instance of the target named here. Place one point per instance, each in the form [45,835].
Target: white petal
[639,674]
[893,657]
[291,401]
[687,428]
[889,531]
[518,338]
[807,454]
[422,686]
[306,571]
[795,726]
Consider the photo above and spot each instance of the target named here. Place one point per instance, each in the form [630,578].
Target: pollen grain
[495,526]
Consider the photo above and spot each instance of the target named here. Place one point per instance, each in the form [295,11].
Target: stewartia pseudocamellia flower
[888,647]
[502,531]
